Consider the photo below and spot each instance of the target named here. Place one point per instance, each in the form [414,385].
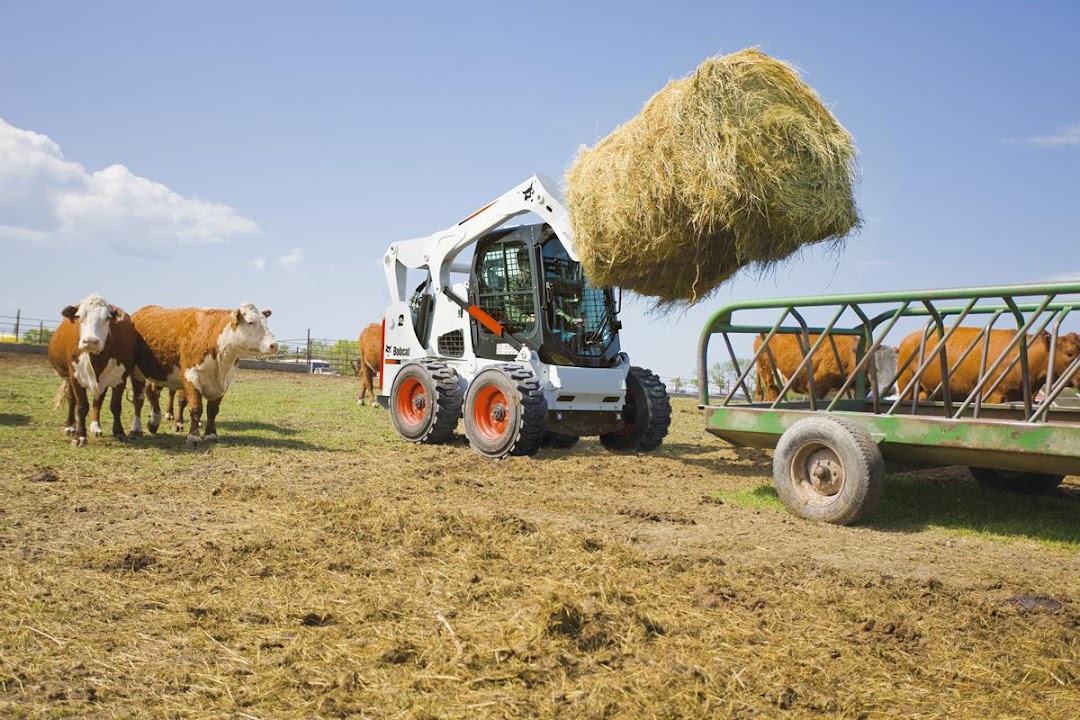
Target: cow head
[1068,348]
[883,365]
[250,333]
[94,316]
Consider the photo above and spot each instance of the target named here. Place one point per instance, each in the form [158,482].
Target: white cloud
[45,198]
[259,263]
[1065,277]
[1068,136]
[292,259]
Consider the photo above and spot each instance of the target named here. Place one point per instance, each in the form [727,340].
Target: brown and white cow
[829,376]
[962,380]
[370,360]
[196,350]
[93,350]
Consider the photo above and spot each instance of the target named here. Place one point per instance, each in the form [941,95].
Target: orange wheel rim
[412,401]
[491,412]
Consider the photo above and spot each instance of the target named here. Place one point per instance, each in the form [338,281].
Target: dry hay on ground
[739,164]
[312,565]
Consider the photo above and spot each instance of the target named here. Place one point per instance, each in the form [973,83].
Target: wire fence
[18,328]
[324,356]
[321,355]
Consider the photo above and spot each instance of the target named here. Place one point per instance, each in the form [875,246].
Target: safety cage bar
[874,318]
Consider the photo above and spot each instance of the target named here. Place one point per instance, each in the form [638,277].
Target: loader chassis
[513,338]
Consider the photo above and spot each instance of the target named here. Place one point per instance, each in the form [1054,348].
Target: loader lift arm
[437,252]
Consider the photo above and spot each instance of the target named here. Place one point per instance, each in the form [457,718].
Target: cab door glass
[506,290]
[579,315]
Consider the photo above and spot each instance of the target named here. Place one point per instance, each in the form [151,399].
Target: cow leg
[69,426]
[153,394]
[82,407]
[194,401]
[365,383]
[212,407]
[169,412]
[181,403]
[138,392]
[95,413]
[114,407]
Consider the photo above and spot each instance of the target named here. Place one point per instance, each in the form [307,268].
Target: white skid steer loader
[516,341]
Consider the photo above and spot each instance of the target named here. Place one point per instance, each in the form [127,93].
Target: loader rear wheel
[505,412]
[1029,483]
[425,402]
[829,469]
[647,414]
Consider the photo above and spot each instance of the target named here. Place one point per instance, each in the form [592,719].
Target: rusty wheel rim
[817,473]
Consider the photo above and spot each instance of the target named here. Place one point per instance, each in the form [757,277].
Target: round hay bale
[739,164]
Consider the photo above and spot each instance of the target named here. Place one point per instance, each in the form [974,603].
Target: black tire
[1028,483]
[425,402]
[558,440]
[647,414]
[505,412]
[829,469]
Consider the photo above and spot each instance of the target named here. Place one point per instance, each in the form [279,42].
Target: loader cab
[525,279]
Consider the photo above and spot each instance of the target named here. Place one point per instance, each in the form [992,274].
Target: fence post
[309,350]
[17,314]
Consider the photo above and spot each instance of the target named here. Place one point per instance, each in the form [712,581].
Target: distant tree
[37,336]
[718,373]
[678,382]
[724,374]
[342,354]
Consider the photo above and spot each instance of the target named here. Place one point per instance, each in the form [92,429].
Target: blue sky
[213,153]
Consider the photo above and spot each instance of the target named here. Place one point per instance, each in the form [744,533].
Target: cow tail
[61,394]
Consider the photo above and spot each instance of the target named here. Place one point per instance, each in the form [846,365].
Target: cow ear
[69,312]
[266,313]
[238,317]
[115,313]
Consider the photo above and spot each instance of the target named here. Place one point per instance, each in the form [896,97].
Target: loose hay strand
[737,165]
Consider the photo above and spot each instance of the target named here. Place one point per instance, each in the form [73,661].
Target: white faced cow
[195,350]
[93,350]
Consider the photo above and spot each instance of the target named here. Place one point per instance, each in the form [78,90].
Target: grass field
[311,565]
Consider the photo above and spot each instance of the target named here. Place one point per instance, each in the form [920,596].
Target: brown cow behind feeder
[369,361]
[965,377]
[196,350]
[93,349]
[829,376]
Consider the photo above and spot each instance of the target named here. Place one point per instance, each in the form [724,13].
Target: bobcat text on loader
[516,340]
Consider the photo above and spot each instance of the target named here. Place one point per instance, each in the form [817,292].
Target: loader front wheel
[647,414]
[505,412]
[425,402]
